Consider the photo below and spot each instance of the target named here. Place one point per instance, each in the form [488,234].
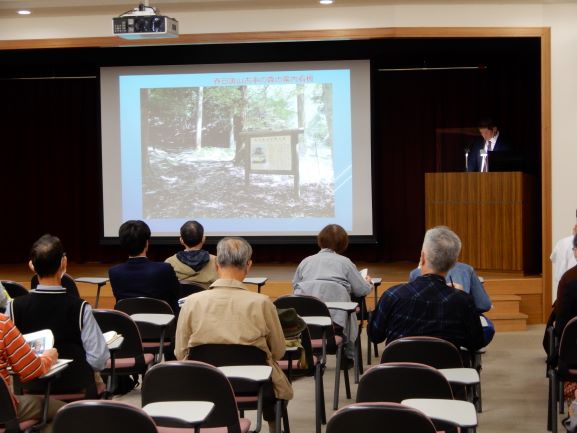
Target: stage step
[505,313]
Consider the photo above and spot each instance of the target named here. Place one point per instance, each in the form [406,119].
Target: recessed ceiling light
[24,12]
[326,2]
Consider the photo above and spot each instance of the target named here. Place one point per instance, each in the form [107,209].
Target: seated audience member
[140,276]
[193,264]
[566,304]
[228,313]
[563,257]
[77,336]
[17,355]
[329,265]
[427,306]
[462,276]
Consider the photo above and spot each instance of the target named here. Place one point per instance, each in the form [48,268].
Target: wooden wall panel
[489,212]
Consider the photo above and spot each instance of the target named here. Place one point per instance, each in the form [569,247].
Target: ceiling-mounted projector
[144,22]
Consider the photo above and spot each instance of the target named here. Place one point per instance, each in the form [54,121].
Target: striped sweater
[17,354]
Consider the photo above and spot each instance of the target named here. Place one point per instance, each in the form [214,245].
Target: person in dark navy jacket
[140,276]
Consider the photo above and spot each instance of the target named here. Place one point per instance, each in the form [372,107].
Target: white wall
[562,18]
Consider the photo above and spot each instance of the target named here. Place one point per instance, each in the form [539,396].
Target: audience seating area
[170,381]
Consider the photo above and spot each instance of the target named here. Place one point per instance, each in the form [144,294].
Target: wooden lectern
[494,214]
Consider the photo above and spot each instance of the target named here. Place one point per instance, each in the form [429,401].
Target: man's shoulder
[569,278]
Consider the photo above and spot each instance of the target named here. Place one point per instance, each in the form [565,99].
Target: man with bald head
[228,313]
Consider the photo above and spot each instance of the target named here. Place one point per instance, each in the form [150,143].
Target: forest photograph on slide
[195,151]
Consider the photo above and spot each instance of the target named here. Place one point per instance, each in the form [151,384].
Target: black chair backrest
[309,306]
[66,281]
[99,416]
[398,381]
[567,347]
[221,355]
[143,305]
[379,418]
[193,380]
[112,320]
[431,351]
[190,288]
[227,354]
[148,331]
[14,289]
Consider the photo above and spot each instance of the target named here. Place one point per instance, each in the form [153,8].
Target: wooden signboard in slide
[493,214]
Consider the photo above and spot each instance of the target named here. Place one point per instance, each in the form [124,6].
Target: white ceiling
[116,7]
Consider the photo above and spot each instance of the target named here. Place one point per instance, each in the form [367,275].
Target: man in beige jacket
[227,313]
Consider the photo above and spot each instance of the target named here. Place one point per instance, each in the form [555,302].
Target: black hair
[192,233]
[133,236]
[46,255]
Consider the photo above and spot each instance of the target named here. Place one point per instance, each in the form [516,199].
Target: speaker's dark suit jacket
[474,160]
[142,277]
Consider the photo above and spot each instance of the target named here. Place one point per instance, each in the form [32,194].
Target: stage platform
[505,289]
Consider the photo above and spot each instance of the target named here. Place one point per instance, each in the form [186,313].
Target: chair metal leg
[358,362]
[318,396]
[553,392]
[285,419]
[337,377]
[347,384]
[359,349]
[369,349]
[561,397]
[278,416]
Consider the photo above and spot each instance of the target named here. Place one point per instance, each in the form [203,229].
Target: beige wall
[561,18]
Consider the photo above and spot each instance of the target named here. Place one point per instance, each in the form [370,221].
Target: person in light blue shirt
[462,276]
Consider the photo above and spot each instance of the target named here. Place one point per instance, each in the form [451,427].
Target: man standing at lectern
[478,156]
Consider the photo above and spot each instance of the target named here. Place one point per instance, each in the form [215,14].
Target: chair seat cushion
[154,344]
[129,362]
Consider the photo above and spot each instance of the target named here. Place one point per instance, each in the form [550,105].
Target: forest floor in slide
[217,189]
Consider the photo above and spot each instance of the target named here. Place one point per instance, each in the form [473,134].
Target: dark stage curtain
[51,171]
[51,180]
[415,104]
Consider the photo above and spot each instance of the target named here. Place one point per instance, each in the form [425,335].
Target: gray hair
[233,252]
[441,247]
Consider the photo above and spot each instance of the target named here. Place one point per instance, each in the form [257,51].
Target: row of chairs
[377,409]
[169,381]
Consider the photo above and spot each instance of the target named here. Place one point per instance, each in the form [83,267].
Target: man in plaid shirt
[427,306]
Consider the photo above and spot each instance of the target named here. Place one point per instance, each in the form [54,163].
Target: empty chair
[150,334]
[313,367]
[193,380]
[398,381]
[130,358]
[564,371]
[323,339]
[66,281]
[247,392]
[14,289]
[431,351]
[100,416]
[383,417]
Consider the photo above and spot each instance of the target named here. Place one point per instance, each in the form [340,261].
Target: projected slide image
[196,151]
[270,150]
